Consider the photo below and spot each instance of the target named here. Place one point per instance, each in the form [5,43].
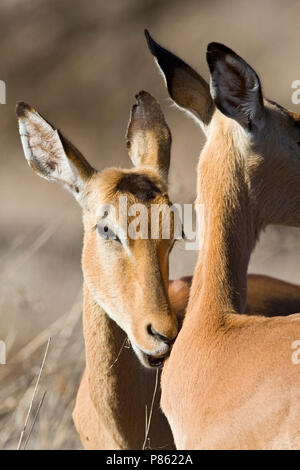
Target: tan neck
[119,387]
[220,281]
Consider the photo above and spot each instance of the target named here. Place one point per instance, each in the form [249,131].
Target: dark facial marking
[139,185]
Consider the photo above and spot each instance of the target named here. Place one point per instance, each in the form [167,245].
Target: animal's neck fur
[119,387]
[229,231]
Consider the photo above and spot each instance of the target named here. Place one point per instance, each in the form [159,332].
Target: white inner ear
[136,143]
[144,149]
[45,153]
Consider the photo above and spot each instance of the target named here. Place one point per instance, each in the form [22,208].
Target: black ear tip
[215,45]
[144,99]
[217,50]
[21,108]
[142,95]
[153,46]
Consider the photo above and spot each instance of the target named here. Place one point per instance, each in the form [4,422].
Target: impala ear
[148,135]
[185,86]
[50,154]
[235,86]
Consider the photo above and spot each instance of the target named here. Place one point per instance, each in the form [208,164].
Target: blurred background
[80,64]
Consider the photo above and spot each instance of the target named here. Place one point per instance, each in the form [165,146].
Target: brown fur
[110,407]
[108,423]
[125,284]
[115,389]
[230,405]
[122,428]
[266,296]
[230,382]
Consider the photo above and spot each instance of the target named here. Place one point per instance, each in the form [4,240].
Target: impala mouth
[150,361]
[156,362]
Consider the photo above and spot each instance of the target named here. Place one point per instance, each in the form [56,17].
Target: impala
[266,296]
[114,391]
[230,382]
[125,280]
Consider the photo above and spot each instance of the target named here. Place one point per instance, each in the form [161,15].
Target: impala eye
[107,234]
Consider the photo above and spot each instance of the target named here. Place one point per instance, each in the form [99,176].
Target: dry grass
[148,419]
[51,413]
[60,379]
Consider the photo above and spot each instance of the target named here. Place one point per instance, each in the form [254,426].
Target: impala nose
[152,332]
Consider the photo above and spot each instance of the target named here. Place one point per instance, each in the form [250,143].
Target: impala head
[233,113]
[126,276]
